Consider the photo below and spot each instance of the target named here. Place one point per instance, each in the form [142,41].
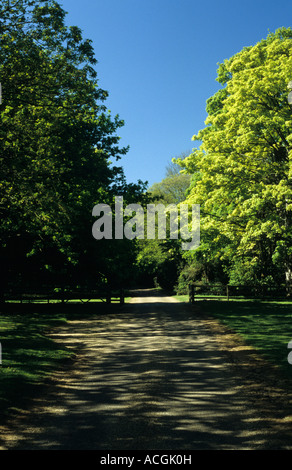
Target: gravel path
[156,376]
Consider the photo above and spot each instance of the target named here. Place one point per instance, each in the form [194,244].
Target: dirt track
[156,376]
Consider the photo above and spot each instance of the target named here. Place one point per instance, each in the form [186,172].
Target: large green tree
[242,168]
[58,143]
[159,261]
[172,189]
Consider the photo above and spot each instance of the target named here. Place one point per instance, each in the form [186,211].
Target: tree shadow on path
[150,377]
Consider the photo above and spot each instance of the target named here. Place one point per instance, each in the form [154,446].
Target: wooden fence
[63,295]
[227,292]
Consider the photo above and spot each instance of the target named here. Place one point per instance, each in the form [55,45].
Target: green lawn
[28,355]
[265,325]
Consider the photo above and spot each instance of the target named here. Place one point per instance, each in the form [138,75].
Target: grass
[264,325]
[28,355]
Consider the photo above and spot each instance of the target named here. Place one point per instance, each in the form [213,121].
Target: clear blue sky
[158,61]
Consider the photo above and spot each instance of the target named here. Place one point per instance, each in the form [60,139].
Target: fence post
[122,297]
[227,292]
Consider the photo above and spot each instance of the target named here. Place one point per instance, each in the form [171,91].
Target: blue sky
[158,61]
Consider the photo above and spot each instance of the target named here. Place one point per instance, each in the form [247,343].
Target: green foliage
[172,189]
[158,261]
[57,143]
[191,273]
[242,169]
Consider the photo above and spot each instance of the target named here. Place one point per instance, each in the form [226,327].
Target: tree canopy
[172,189]
[58,144]
[242,167]
[59,154]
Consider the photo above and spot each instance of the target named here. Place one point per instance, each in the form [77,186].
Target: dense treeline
[241,172]
[58,152]
[57,145]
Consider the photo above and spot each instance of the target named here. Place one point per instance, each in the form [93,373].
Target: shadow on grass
[29,355]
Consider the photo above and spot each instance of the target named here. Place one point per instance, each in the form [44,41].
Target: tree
[160,260]
[57,143]
[172,189]
[243,165]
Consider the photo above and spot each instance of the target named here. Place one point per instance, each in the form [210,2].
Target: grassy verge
[266,326]
[28,356]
